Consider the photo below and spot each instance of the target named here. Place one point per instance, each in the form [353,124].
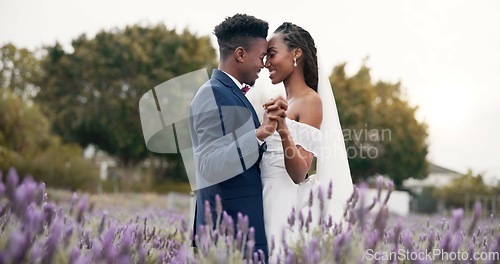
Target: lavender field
[61,227]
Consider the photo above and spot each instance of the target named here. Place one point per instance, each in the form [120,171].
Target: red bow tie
[245,89]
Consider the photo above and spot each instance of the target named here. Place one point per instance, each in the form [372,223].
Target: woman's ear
[297,53]
[239,54]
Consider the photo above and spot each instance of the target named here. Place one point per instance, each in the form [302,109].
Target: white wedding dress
[280,193]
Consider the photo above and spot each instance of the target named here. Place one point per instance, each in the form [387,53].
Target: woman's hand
[282,128]
[274,111]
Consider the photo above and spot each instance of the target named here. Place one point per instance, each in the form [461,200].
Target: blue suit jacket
[218,110]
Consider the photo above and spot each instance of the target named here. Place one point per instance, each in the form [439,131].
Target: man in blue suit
[228,140]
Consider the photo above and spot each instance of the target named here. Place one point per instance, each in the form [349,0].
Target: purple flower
[2,186]
[23,196]
[218,205]
[242,224]
[40,194]
[142,256]
[311,251]
[273,244]
[86,240]
[239,239]
[329,224]
[310,200]
[126,240]
[407,239]
[74,198]
[36,253]
[301,220]
[430,241]
[250,242]
[139,239]
[74,256]
[80,208]
[471,251]
[18,245]
[445,242]
[34,219]
[397,231]
[455,242]
[380,183]
[442,224]
[338,242]
[12,182]
[230,225]
[289,259]
[291,218]
[475,218]
[371,239]
[458,215]
[308,220]
[355,197]
[390,188]
[49,212]
[67,234]
[261,255]
[208,214]
[330,190]
[381,219]
[321,199]
[103,221]
[370,207]
[255,257]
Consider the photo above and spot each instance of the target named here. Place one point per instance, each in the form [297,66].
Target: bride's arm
[297,159]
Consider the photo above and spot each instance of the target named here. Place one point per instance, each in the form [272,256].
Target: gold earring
[295,62]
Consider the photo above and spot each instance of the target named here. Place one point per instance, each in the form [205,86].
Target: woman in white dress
[306,132]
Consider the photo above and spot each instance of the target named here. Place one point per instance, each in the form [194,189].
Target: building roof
[433,168]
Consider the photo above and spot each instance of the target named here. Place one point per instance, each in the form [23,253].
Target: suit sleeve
[223,137]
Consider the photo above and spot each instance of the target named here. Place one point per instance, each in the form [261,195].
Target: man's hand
[275,110]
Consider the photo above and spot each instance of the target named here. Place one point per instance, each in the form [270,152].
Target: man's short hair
[238,31]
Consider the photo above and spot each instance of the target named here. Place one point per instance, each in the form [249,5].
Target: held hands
[274,117]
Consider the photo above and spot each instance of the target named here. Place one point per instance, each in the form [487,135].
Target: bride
[311,129]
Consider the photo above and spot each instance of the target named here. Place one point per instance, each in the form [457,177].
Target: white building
[437,178]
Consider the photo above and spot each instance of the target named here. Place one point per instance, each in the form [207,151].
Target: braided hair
[297,37]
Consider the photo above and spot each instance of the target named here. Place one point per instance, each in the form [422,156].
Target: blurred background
[417,86]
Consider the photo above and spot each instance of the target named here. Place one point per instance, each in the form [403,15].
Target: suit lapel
[224,79]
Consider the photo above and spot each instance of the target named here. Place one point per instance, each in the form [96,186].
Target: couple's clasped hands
[274,117]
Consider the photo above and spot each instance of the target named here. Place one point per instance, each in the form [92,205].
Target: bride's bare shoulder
[311,109]
[311,102]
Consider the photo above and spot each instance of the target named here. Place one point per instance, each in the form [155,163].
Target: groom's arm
[223,136]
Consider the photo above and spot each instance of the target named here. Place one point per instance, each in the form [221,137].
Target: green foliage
[27,144]
[381,133]
[92,93]
[19,71]
[469,184]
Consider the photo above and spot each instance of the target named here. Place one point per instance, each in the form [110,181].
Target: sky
[445,53]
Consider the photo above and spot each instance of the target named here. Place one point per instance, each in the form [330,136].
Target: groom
[228,140]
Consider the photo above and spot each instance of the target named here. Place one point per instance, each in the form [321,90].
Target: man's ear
[239,54]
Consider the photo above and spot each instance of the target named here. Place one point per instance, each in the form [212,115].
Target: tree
[469,184]
[381,132]
[20,70]
[92,93]
[27,144]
